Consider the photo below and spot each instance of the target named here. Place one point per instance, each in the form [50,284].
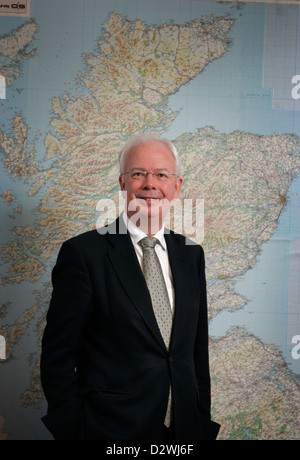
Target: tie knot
[148,242]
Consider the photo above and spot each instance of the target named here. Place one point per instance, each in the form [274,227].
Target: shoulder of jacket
[183,239]
[186,244]
[83,237]
[84,240]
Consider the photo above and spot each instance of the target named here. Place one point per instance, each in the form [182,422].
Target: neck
[150,225]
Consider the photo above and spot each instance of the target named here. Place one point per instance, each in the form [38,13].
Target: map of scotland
[60,172]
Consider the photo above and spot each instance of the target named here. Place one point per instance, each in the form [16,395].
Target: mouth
[148,204]
[151,202]
[149,199]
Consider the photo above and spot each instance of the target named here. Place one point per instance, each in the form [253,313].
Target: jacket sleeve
[201,356]
[201,344]
[62,340]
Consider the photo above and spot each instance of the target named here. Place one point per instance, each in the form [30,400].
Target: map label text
[15,8]
[2,347]
[2,87]
[296,89]
[296,349]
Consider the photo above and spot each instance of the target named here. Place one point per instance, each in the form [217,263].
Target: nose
[149,182]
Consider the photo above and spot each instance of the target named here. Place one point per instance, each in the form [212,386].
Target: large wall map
[77,86]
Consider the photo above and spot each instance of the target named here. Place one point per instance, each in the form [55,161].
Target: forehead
[153,155]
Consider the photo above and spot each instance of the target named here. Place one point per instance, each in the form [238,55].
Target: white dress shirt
[137,235]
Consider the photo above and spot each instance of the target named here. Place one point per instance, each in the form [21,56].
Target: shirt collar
[137,234]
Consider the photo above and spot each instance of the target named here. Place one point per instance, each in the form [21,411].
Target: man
[123,358]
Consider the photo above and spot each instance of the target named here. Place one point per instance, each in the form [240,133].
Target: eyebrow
[155,169]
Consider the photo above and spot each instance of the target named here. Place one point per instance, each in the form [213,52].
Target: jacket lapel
[180,275]
[126,265]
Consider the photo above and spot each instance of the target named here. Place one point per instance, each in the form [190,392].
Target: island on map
[13,50]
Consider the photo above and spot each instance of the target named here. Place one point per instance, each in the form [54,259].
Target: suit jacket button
[171,359]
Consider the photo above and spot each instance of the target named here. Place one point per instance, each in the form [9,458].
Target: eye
[137,174]
[162,175]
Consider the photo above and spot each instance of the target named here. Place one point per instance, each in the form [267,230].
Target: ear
[178,186]
[121,182]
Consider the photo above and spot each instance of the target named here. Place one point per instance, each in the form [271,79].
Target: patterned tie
[160,299]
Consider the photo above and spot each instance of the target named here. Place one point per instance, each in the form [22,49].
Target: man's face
[152,195]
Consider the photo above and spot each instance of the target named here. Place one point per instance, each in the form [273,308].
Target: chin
[151,209]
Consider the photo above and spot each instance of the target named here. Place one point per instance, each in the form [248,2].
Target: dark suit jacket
[105,369]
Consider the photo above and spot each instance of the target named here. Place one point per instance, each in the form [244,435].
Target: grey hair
[141,139]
